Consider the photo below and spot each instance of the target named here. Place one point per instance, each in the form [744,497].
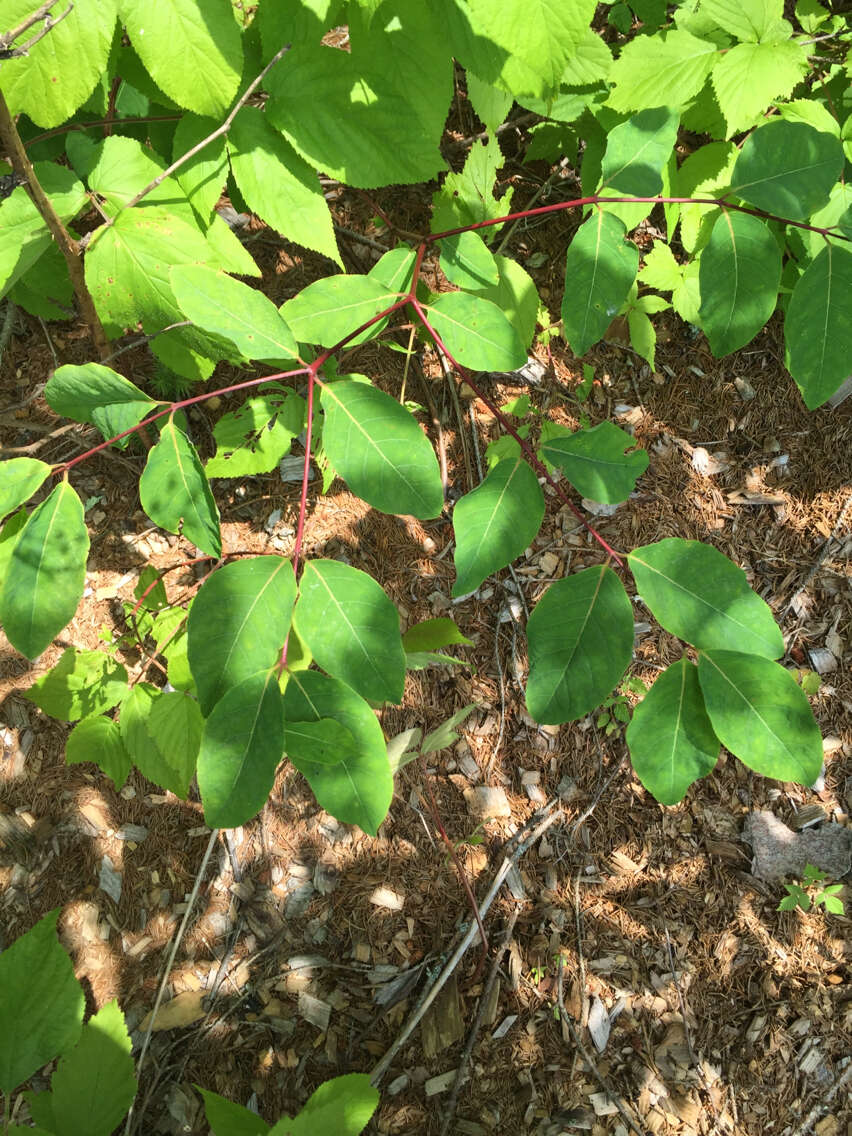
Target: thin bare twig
[9,38]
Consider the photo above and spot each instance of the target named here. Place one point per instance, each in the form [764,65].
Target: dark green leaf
[342,1106]
[468,262]
[81,684]
[600,268]
[516,295]
[595,462]
[229,1119]
[637,151]
[94,393]
[175,493]
[19,479]
[325,742]
[818,325]
[739,274]
[476,332]
[787,168]
[330,309]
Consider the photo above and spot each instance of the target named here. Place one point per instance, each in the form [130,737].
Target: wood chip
[487,802]
[314,1010]
[441,1083]
[387,898]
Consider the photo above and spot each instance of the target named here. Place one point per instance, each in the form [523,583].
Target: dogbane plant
[277,656]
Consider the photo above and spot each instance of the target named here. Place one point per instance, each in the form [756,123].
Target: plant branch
[9,38]
[69,127]
[217,133]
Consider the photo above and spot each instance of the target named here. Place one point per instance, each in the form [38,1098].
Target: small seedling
[798,896]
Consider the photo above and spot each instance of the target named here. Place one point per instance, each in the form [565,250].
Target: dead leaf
[181,1011]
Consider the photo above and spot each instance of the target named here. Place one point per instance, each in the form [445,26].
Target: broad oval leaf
[670,736]
[19,479]
[476,332]
[238,624]
[637,151]
[46,572]
[580,644]
[698,594]
[218,303]
[787,168]
[379,450]
[495,523]
[395,268]
[342,1105]
[600,267]
[595,462]
[99,740]
[81,684]
[739,273]
[325,742]
[517,297]
[351,628]
[97,394]
[761,714]
[356,791]
[241,747]
[175,492]
[38,987]
[94,1085]
[467,261]
[818,325]
[332,308]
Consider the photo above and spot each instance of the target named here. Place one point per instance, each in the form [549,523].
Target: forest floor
[726,1015]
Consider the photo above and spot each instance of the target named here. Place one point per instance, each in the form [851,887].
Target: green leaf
[150,750]
[46,572]
[466,198]
[467,261]
[744,19]
[758,711]
[356,791]
[203,177]
[229,1119]
[516,295]
[395,269]
[19,479]
[637,151]
[445,735]
[238,624]
[332,308]
[787,168]
[595,462]
[702,597]
[739,274]
[255,437]
[703,174]
[175,493]
[278,185]
[476,332]
[643,338]
[751,76]
[63,68]
[99,740]
[193,52]
[38,989]
[241,747]
[342,1105]
[580,640]
[670,737]
[45,289]
[97,394]
[351,628]
[664,70]
[94,1085]
[175,723]
[81,684]
[660,269]
[495,522]
[432,634]
[379,450]
[818,325]
[8,536]
[325,742]
[601,267]
[490,104]
[242,314]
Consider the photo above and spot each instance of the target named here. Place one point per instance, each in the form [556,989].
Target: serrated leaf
[254,438]
[351,628]
[37,987]
[377,447]
[241,747]
[704,172]
[818,325]
[495,523]
[238,624]
[787,168]
[325,742]
[278,185]
[580,640]
[24,236]
[432,634]
[342,1105]
[670,737]
[395,269]
[175,723]
[97,394]
[193,53]
[332,308]
[45,288]
[81,684]
[203,177]
[664,70]
[468,262]
[702,597]
[476,332]
[46,572]
[218,303]
[467,197]
[175,493]
[356,791]
[99,740]
[149,750]
[515,294]
[60,72]
[19,479]
[751,76]
[595,462]
[637,151]
[490,104]
[744,19]
[660,269]
[739,274]
[229,1118]
[601,267]
[759,712]
[94,1085]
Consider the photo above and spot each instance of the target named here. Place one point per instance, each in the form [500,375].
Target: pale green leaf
[670,737]
[601,267]
[380,451]
[351,628]
[705,172]
[643,338]
[760,713]
[744,19]
[19,479]
[595,462]
[395,269]
[590,63]
[787,168]
[8,536]
[175,723]
[580,642]
[46,572]
[332,308]
[94,1085]
[660,269]
[91,392]
[445,734]
[255,437]
[149,751]
[818,325]
[476,332]
[175,493]
[467,197]
[99,740]
[342,1105]
[81,684]
[495,523]
[431,634]
[490,104]
[751,76]
[664,70]
[203,177]
[242,744]
[24,236]
[698,594]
